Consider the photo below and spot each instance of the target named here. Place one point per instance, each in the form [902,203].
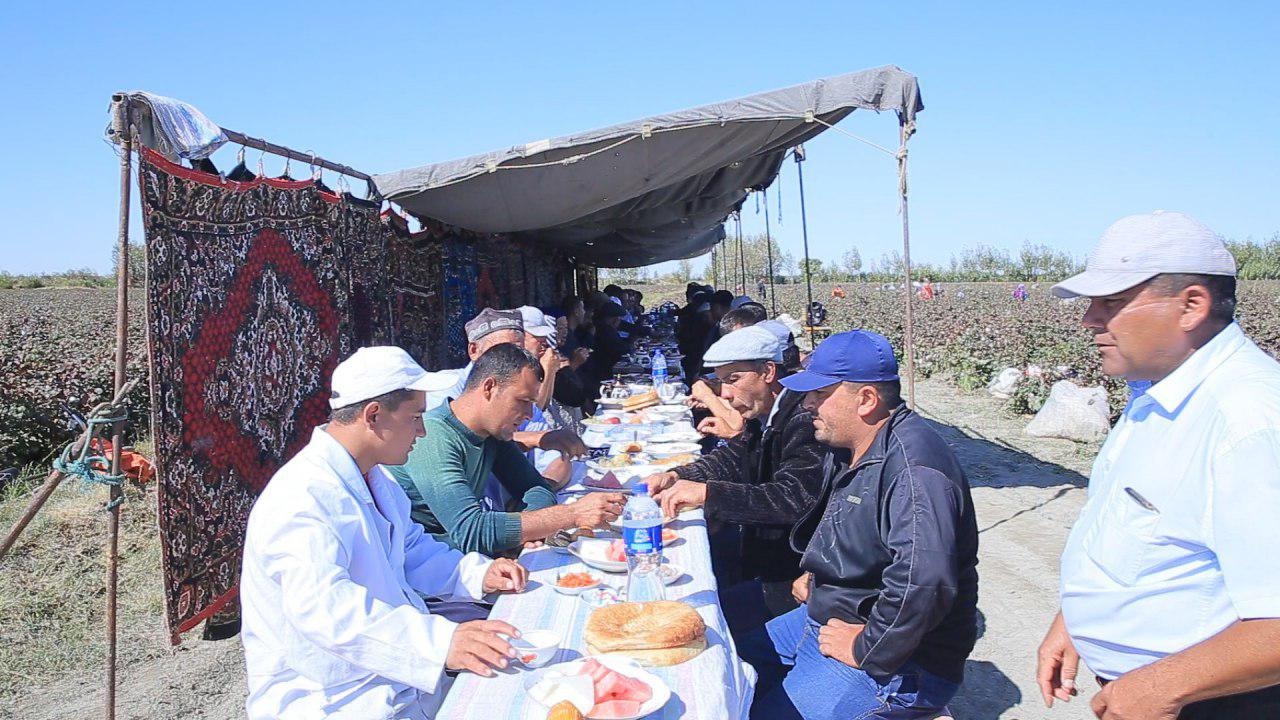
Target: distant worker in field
[837,291]
[761,286]
[926,290]
[1169,586]
[1020,293]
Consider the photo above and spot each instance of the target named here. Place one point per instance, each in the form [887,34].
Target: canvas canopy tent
[649,190]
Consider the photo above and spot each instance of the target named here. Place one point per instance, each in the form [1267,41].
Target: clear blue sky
[1043,121]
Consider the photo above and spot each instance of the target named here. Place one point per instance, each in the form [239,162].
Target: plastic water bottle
[642,537]
[659,368]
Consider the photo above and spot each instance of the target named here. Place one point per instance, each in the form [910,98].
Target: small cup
[536,648]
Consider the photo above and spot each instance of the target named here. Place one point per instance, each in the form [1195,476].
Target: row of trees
[1034,262]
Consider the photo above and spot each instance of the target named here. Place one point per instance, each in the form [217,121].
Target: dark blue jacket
[896,548]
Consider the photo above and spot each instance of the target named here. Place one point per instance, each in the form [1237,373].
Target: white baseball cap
[1139,247]
[744,344]
[537,323]
[374,371]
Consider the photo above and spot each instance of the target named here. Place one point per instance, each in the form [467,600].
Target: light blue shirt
[1180,536]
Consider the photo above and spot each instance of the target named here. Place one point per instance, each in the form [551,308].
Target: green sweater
[445,479]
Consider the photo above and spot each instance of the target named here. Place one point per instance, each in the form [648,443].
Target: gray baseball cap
[1139,247]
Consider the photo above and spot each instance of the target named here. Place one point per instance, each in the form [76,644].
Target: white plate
[688,435]
[661,450]
[591,551]
[627,475]
[670,411]
[624,472]
[624,666]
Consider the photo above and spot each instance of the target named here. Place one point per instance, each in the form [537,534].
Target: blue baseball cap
[855,356]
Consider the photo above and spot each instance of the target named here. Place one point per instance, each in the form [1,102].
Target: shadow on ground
[987,692]
[996,464]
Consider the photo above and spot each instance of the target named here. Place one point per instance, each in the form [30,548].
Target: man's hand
[566,442]
[476,646]
[835,640]
[700,391]
[1134,695]
[800,588]
[579,358]
[658,482]
[682,494]
[550,361]
[1057,664]
[597,509]
[716,427]
[505,575]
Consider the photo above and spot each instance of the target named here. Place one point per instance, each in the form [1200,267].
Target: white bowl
[670,572]
[574,590]
[536,648]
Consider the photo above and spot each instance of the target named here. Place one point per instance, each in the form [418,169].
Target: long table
[713,686]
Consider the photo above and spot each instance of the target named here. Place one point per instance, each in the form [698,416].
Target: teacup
[536,648]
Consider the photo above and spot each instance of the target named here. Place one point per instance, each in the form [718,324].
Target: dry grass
[52,587]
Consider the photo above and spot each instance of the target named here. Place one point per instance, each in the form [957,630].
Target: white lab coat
[333,623]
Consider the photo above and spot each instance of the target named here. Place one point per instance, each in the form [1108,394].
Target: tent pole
[804,229]
[768,244]
[124,126]
[742,260]
[724,260]
[908,127]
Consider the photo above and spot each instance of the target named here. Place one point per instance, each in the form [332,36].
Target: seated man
[495,327]
[764,479]
[540,341]
[471,437]
[609,347]
[334,570]
[891,582]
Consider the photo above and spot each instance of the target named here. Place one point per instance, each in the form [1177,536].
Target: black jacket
[896,549]
[766,481]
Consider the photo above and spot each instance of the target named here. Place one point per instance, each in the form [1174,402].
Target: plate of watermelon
[601,688]
[607,555]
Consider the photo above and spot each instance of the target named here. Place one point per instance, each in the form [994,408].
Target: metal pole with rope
[804,229]
[768,244]
[123,124]
[908,128]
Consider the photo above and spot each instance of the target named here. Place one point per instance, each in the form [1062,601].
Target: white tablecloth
[713,686]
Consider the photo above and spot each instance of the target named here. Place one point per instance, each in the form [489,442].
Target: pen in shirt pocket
[1137,497]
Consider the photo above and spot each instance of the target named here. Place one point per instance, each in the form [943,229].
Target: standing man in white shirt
[1171,576]
[334,569]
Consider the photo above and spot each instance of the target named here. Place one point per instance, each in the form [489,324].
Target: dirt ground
[1027,492]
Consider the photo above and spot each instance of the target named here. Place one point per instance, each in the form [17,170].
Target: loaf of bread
[655,634]
[641,401]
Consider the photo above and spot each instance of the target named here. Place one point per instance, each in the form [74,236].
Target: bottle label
[642,539]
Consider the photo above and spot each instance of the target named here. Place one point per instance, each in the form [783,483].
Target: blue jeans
[797,681]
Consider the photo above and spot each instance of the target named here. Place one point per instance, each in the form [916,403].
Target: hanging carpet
[255,291]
